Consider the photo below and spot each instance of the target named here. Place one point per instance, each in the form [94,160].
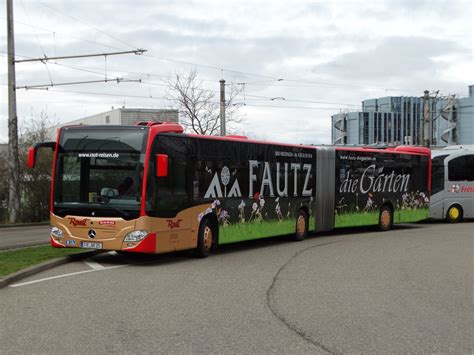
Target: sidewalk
[23,235]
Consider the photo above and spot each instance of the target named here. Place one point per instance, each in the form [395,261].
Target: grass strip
[255,230]
[18,259]
[353,219]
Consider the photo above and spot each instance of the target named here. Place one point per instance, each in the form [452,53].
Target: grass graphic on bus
[262,221]
[413,207]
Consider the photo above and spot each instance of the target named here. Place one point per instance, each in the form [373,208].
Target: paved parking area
[351,291]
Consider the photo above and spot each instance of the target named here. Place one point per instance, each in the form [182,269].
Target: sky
[295,62]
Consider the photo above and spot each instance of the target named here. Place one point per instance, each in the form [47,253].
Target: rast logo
[173,224]
[78,222]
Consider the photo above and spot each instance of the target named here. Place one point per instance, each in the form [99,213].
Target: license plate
[91,245]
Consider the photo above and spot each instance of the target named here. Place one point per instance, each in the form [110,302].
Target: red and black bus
[151,188]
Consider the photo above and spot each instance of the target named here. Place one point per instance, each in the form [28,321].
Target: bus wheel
[301,230]
[205,239]
[454,214]
[385,218]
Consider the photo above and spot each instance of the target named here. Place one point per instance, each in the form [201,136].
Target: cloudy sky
[320,56]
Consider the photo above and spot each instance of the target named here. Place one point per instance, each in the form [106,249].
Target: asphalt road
[409,290]
[14,237]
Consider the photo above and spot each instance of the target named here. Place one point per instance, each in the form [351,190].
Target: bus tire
[301,228]
[206,239]
[385,218]
[454,214]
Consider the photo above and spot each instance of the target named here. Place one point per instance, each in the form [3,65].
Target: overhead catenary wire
[65,35]
[46,86]
[39,42]
[88,25]
[172,99]
[220,68]
[247,97]
[137,51]
[83,69]
[207,80]
[53,89]
[267,82]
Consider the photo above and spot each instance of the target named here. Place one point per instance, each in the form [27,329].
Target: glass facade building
[399,120]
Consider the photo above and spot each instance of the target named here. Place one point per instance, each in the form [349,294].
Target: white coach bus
[452,183]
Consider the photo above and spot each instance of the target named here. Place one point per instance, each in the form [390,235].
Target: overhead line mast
[13,159]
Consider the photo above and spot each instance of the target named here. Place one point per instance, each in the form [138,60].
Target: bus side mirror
[31,159]
[161,165]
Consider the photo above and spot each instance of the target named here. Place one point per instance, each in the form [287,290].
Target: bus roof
[171,127]
[459,147]
[451,152]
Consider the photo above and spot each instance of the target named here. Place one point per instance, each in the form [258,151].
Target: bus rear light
[135,236]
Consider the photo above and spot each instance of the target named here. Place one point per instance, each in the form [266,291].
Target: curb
[27,245]
[35,269]
[19,225]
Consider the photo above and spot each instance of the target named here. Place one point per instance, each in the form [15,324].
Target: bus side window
[437,174]
[461,168]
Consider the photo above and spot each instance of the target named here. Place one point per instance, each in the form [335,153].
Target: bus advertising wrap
[366,180]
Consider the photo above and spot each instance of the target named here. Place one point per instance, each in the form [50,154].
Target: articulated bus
[150,188]
[452,188]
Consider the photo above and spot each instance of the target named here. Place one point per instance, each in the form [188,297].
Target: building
[399,120]
[127,116]
[454,121]
[123,116]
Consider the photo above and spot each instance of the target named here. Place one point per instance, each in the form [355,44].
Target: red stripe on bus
[55,244]
[51,197]
[147,245]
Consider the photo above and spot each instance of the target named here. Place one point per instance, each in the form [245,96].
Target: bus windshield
[99,172]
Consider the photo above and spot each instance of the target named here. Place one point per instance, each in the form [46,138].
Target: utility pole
[13,159]
[222,115]
[426,119]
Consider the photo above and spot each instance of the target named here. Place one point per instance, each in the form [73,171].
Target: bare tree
[199,108]
[33,184]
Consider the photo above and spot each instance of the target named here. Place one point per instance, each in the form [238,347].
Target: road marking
[93,265]
[65,275]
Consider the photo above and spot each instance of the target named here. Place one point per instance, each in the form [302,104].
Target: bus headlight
[135,236]
[56,232]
